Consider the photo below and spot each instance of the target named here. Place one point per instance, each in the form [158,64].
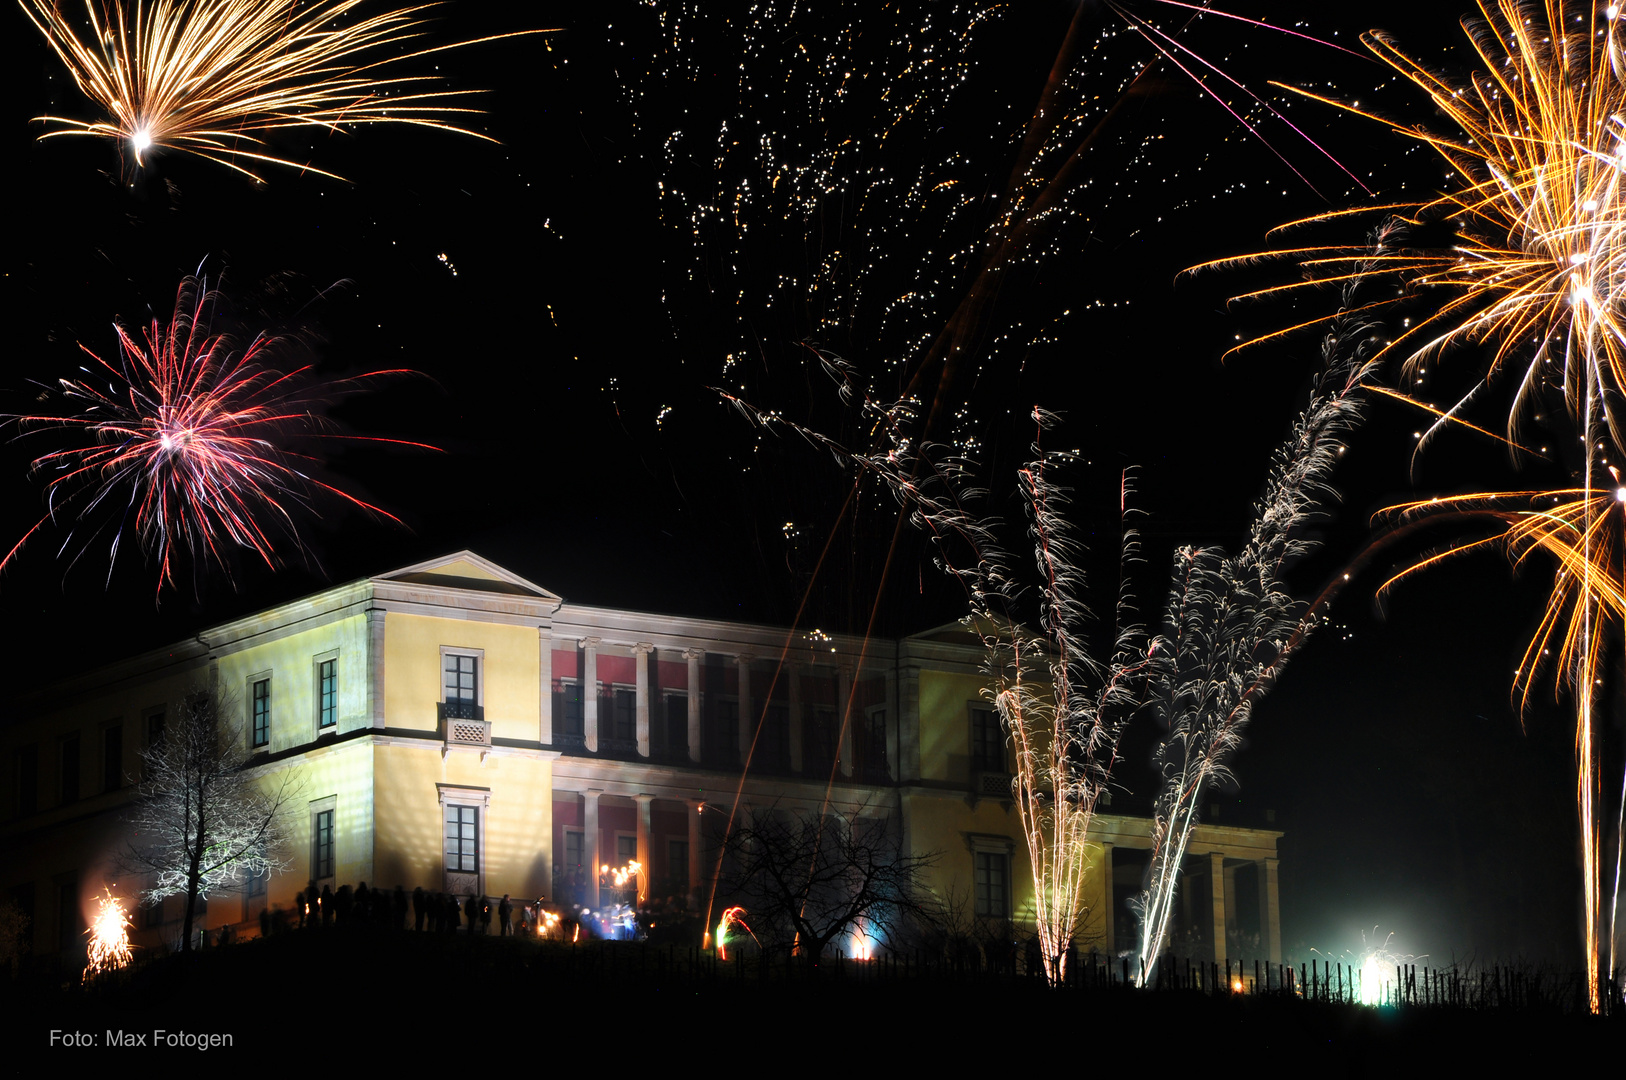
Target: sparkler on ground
[109,938]
[1537,274]
[184,441]
[211,77]
[1231,622]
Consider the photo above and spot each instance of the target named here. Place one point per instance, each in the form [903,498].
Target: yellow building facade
[454,727]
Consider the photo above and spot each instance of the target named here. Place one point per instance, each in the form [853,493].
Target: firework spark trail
[1539,208]
[1537,274]
[1231,623]
[211,77]
[1063,709]
[184,441]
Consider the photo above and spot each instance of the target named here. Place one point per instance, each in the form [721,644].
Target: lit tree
[203,823]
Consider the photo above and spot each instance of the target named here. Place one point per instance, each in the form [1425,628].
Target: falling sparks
[183,440]
[211,77]
[109,937]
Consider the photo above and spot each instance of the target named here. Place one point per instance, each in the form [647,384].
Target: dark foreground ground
[415,1000]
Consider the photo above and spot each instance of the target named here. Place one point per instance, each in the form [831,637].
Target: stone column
[694,656]
[590,842]
[644,861]
[793,672]
[590,698]
[748,716]
[695,807]
[375,667]
[1230,916]
[1270,908]
[544,730]
[1216,890]
[641,651]
[1108,909]
[844,694]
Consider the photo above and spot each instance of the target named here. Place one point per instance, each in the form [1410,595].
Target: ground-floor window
[462,839]
[993,884]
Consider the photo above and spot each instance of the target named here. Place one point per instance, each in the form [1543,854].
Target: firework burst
[210,77]
[183,441]
[1536,276]
[109,938]
[1537,268]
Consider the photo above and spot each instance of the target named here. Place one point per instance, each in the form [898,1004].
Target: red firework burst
[184,440]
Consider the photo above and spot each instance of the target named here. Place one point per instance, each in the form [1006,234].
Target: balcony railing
[464,723]
[991,785]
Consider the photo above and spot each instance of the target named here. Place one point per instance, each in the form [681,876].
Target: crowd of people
[424,911]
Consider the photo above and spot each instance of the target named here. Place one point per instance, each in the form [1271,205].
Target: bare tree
[808,880]
[203,823]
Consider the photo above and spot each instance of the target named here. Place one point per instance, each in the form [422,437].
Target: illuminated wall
[509,672]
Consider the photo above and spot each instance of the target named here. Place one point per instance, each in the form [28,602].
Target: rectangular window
[725,747]
[677,865]
[568,709]
[625,716]
[677,723]
[322,845]
[875,764]
[574,844]
[462,839]
[327,693]
[626,850]
[774,746]
[155,729]
[69,786]
[261,705]
[112,757]
[987,740]
[28,779]
[461,683]
[993,884]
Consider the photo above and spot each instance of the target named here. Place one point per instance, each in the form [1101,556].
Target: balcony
[463,723]
[991,785]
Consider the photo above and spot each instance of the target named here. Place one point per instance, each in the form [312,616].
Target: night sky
[572,296]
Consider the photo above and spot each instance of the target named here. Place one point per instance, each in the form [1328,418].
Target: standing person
[398,908]
[485,915]
[417,908]
[471,910]
[505,915]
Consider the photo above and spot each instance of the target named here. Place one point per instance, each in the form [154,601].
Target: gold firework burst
[210,77]
[1535,276]
[1537,269]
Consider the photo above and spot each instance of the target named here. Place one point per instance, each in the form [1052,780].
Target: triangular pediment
[466,570]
